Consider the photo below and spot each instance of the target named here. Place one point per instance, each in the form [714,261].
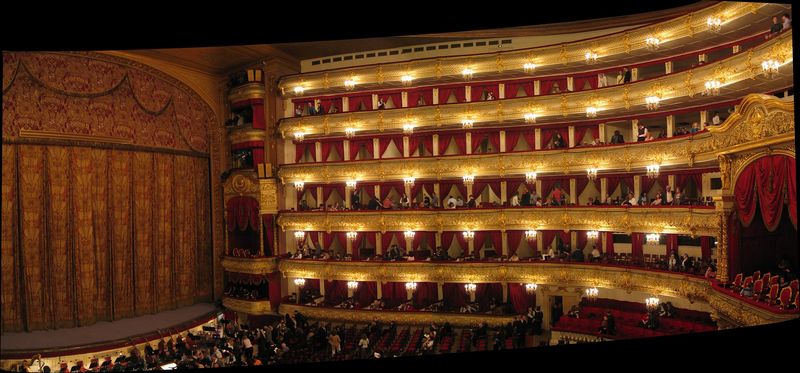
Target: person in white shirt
[668,193]
[451,203]
[513,258]
[787,22]
[489,96]
[602,80]
[404,201]
[550,253]
[715,119]
[363,343]
[595,254]
[632,199]
[515,200]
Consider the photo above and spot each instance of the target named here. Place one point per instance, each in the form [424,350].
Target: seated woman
[658,200]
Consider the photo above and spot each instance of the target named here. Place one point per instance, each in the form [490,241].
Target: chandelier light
[530,177]
[349,84]
[530,235]
[468,179]
[591,173]
[352,285]
[467,73]
[299,136]
[408,181]
[712,87]
[652,43]
[530,288]
[406,80]
[591,57]
[299,281]
[652,171]
[592,235]
[469,235]
[351,236]
[714,24]
[529,67]
[467,123]
[652,303]
[470,288]
[351,184]
[652,102]
[770,68]
[530,118]
[411,286]
[591,293]
[408,234]
[652,238]
[299,185]
[408,129]
[299,235]
[299,90]
[591,112]
[349,132]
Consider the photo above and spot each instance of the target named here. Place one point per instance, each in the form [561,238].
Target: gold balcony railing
[257,266]
[758,121]
[668,32]
[693,221]
[685,88]
[252,307]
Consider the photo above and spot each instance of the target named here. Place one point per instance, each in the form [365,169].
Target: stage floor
[102,331]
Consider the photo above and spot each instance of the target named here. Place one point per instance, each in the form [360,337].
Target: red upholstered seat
[794,285]
[757,289]
[747,281]
[757,275]
[785,297]
[773,280]
[772,297]
[737,281]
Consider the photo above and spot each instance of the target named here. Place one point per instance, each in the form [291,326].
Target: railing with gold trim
[256,266]
[670,31]
[252,307]
[758,121]
[735,70]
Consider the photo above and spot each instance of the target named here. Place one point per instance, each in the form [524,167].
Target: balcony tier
[613,49]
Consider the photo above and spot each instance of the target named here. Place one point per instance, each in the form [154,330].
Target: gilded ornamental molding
[669,31]
[269,195]
[693,221]
[759,121]
[247,91]
[401,318]
[258,266]
[241,183]
[250,307]
[735,70]
[246,135]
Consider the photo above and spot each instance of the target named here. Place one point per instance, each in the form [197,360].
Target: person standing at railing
[775,28]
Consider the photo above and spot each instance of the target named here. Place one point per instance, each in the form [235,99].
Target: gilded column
[504,240]
[439,290]
[469,142]
[572,139]
[573,191]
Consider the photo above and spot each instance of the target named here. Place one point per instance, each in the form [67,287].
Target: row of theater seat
[767,290]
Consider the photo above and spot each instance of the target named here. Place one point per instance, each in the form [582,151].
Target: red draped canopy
[242,213]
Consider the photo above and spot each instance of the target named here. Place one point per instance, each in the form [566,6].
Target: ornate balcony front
[671,33]
[758,121]
[737,74]
[256,266]
[250,307]
[691,221]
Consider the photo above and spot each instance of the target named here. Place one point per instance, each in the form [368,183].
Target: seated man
[595,254]
[577,255]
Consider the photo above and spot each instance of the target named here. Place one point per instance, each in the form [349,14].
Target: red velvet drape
[462,242]
[549,184]
[513,87]
[609,242]
[480,185]
[444,142]
[546,85]
[512,138]
[477,91]
[335,291]
[461,142]
[454,295]
[356,101]
[637,247]
[734,232]
[397,98]
[269,227]
[548,133]
[514,239]
[366,293]
[459,92]
[327,146]
[581,240]
[744,194]
[672,243]
[300,149]
[393,293]
[331,101]
[520,299]
[580,81]
[413,97]
[447,239]
[770,182]
[580,132]
[484,292]
[383,144]
[426,293]
[791,189]
[446,186]
[355,146]
[243,213]
[705,247]
[682,181]
[386,188]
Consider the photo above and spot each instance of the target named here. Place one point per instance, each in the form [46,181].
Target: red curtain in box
[383,144]
[637,247]
[512,88]
[397,98]
[493,184]
[580,132]
[459,92]
[356,101]
[705,247]
[300,149]
[744,194]
[444,142]
[413,145]
[461,142]
[546,85]
[394,293]
[366,293]
[484,292]
[426,94]
[771,174]
[672,243]
[615,180]
[609,242]
[548,133]
[512,185]
[581,182]
[447,239]
[581,240]
[549,236]
[530,137]
[477,91]
[514,239]
[648,182]
[274,289]
[355,145]
[242,213]
[512,138]
[327,146]
[419,185]
[446,185]
[327,103]
[426,293]
[682,180]
[455,296]
[549,184]
[269,227]
[386,188]
[419,237]
[329,188]
[791,189]
[580,81]
[734,233]
[335,291]
[462,242]
[520,298]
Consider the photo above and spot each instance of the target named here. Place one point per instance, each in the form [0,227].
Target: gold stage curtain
[95,234]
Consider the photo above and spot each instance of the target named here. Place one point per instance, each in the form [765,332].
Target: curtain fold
[461,142]
[770,181]
[705,247]
[383,144]
[520,299]
[335,291]
[356,101]
[580,132]
[512,88]
[672,243]
[609,248]
[426,293]
[637,247]
[548,133]
[455,296]
[478,91]
[459,92]
[444,142]
[242,213]
[514,239]
[512,138]
[355,146]
[366,293]
[745,195]
[414,97]
[396,97]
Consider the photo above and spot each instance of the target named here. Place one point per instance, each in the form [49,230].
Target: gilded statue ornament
[379,75]
[563,54]
[626,40]
[499,63]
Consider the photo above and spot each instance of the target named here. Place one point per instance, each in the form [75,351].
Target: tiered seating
[766,290]
[446,344]
[400,341]
[480,345]
[383,344]
[509,343]
[414,342]
[464,344]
